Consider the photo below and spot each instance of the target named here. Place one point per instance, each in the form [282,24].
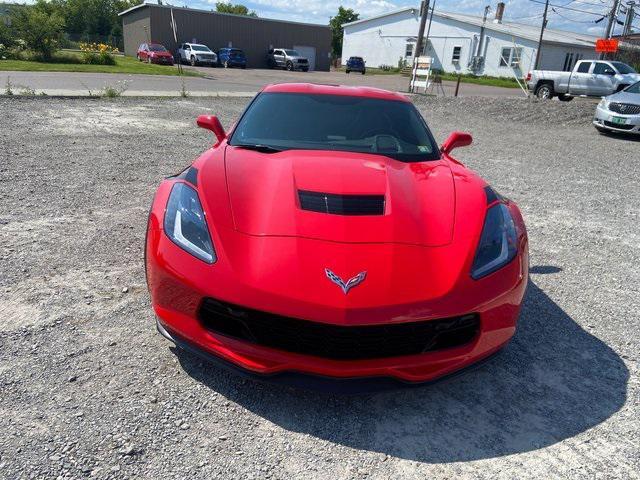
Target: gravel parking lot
[89,389]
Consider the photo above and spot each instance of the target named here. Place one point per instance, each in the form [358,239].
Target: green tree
[345,15]
[6,36]
[238,9]
[41,26]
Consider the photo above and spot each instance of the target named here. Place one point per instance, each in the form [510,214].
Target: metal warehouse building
[152,23]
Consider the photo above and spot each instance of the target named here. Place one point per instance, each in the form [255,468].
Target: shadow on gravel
[552,382]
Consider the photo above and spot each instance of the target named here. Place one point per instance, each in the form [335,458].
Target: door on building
[309,52]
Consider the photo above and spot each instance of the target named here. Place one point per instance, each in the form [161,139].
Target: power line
[576,21]
[568,8]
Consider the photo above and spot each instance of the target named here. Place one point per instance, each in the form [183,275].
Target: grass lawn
[123,65]
[491,81]
[370,71]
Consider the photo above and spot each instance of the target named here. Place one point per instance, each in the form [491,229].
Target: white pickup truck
[589,78]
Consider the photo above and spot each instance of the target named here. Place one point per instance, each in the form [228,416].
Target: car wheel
[563,97]
[138,57]
[289,66]
[544,92]
[193,61]
[362,72]
[348,71]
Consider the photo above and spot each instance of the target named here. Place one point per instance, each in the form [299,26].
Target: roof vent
[341,204]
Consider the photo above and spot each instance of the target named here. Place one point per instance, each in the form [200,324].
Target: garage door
[309,52]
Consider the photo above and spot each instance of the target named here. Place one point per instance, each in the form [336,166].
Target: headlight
[498,243]
[603,103]
[185,225]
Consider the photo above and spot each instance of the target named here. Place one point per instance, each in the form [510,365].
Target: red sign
[606,46]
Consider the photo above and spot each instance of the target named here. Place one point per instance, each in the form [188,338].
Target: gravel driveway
[89,389]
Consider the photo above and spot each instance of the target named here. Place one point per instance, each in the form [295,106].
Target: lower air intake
[334,341]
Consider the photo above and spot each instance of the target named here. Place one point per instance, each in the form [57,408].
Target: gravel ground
[89,389]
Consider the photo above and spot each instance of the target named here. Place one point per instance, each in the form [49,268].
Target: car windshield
[236,53]
[294,121]
[356,59]
[292,53]
[635,88]
[157,48]
[200,48]
[623,67]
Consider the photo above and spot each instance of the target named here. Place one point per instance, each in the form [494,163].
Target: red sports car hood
[264,191]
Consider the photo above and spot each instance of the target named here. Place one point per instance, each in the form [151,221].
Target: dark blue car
[354,64]
[232,57]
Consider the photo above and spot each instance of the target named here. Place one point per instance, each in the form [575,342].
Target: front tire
[348,71]
[563,97]
[363,72]
[544,92]
[193,61]
[289,66]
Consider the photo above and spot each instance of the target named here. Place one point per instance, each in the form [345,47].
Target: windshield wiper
[259,147]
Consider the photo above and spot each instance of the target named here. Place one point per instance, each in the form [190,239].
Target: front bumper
[162,60]
[605,118]
[178,284]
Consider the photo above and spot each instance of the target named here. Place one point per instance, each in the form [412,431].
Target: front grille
[333,341]
[625,108]
[303,60]
[341,204]
[618,126]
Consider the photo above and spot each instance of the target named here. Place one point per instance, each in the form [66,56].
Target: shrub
[41,30]
[98,53]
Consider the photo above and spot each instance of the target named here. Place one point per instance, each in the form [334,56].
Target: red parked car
[326,236]
[154,53]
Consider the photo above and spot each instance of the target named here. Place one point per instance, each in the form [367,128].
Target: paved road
[218,81]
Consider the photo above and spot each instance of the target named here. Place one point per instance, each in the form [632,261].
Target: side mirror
[455,140]
[209,122]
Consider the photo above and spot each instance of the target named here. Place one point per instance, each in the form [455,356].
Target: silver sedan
[619,112]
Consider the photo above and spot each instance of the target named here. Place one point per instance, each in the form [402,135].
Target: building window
[409,50]
[457,51]
[568,60]
[510,57]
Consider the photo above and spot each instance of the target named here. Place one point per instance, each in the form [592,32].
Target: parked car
[197,54]
[154,53]
[288,59]
[327,239]
[619,112]
[232,57]
[355,64]
[590,78]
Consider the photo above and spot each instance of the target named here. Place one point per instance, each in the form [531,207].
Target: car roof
[321,89]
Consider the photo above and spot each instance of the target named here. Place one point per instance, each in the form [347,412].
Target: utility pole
[423,22]
[629,20]
[610,23]
[544,25]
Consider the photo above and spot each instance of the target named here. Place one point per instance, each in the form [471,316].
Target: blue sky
[525,11]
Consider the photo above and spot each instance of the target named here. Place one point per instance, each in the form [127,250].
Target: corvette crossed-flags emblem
[349,284]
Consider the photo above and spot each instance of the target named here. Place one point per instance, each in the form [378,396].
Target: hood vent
[341,204]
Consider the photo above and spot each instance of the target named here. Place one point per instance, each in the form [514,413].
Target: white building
[460,44]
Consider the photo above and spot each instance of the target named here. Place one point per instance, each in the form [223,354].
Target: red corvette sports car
[327,237]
